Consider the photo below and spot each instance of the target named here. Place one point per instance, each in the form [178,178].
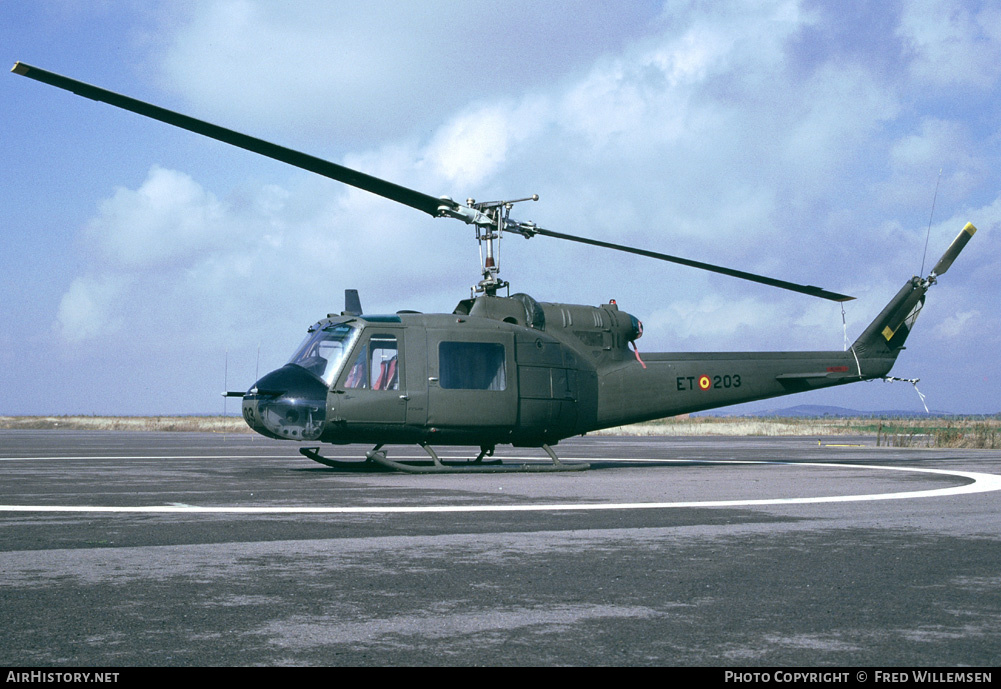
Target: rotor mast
[488,235]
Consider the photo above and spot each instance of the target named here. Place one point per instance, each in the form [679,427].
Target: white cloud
[472,146]
[695,137]
[269,259]
[168,216]
[89,309]
[714,322]
[956,325]
[943,146]
[375,70]
[834,113]
[953,42]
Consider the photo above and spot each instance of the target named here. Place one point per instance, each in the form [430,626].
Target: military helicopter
[509,369]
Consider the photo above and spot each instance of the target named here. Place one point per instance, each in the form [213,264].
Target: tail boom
[680,383]
[676,383]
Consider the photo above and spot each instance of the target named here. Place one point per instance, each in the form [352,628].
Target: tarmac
[123,549]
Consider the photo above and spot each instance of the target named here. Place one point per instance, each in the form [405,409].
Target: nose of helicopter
[289,404]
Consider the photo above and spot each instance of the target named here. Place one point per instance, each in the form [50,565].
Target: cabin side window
[472,366]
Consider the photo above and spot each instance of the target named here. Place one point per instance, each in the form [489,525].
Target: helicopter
[510,370]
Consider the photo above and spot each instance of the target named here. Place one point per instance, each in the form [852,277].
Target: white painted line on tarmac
[979,483]
[63,457]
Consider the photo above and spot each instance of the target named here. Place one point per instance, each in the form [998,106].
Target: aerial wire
[928,235]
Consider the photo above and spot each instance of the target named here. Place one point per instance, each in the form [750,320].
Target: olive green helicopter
[509,369]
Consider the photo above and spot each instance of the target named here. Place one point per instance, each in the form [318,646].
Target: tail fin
[885,336]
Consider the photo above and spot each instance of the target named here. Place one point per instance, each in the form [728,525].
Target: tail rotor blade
[952,252]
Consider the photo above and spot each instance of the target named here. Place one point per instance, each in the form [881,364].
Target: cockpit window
[322,352]
[376,365]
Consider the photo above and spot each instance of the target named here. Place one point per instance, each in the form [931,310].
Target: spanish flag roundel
[704,382]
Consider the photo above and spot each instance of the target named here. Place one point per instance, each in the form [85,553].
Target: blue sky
[802,140]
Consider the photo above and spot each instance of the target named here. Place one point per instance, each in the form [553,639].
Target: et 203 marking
[704,382]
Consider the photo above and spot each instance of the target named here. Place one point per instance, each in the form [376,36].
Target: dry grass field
[927,431]
[932,431]
[208,424]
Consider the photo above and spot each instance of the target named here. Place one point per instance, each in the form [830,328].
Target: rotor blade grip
[964,236]
[409,197]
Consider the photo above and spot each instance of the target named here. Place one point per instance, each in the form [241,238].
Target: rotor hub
[493,217]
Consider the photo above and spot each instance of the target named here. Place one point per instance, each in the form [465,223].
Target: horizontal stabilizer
[840,373]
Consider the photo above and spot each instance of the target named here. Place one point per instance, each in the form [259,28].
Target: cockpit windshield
[323,351]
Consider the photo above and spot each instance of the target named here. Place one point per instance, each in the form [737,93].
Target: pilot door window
[472,366]
[376,365]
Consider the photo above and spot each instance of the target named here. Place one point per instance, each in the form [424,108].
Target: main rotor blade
[409,197]
[743,275]
[395,192]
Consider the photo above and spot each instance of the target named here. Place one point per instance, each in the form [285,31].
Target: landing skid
[313,453]
[376,459]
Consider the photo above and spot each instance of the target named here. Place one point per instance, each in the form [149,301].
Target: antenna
[928,234]
[225,387]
